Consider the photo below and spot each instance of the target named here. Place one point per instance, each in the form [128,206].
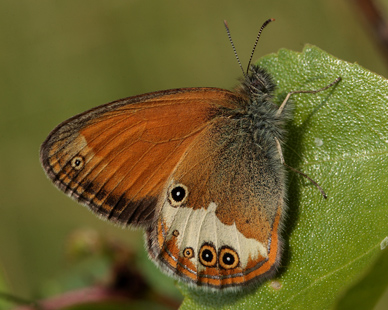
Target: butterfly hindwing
[225,231]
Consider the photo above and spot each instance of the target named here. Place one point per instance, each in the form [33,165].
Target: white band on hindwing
[197,227]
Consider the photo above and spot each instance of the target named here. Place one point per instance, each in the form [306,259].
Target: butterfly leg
[281,108]
[279,147]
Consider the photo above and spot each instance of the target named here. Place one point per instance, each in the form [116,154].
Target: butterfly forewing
[117,158]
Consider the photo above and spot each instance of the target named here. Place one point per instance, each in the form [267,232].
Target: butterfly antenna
[257,40]
[234,48]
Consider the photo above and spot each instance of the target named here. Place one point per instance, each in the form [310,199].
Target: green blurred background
[59,58]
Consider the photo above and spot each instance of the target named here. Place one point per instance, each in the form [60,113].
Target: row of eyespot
[227,257]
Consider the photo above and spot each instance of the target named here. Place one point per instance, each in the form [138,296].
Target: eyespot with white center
[228,258]
[77,162]
[188,252]
[208,255]
[177,194]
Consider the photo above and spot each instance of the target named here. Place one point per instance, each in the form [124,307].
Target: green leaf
[339,137]
[365,293]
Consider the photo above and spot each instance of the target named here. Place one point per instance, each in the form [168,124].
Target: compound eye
[228,258]
[208,255]
[177,194]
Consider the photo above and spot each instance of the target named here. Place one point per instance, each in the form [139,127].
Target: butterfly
[201,170]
